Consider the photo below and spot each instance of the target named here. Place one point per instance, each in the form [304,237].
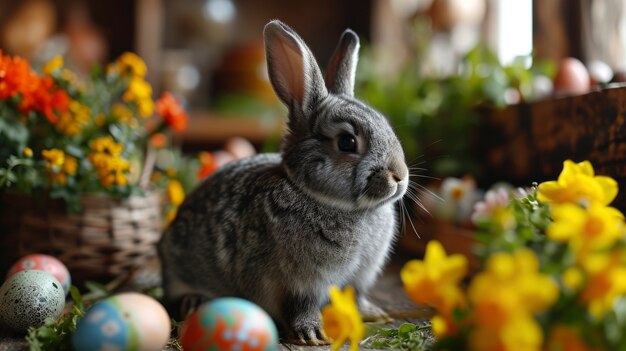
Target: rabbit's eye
[347,143]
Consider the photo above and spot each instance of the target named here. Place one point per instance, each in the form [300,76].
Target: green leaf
[407,328]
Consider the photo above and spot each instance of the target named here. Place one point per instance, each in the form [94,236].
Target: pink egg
[46,263]
[572,77]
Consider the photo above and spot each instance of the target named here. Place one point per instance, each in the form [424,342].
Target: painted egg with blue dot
[229,324]
[28,298]
[128,321]
[46,263]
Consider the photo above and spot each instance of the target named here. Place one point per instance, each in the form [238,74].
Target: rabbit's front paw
[371,312]
[308,332]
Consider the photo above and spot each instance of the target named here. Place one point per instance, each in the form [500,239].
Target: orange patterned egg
[229,324]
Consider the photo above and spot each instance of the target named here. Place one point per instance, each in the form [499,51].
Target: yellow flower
[341,319]
[107,145]
[70,165]
[27,152]
[122,113]
[175,192]
[138,89]
[140,92]
[597,227]
[73,121]
[573,278]
[132,64]
[605,281]
[59,165]
[509,288]
[565,338]
[111,168]
[577,183]
[53,65]
[170,216]
[145,107]
[54,158]
[434,281]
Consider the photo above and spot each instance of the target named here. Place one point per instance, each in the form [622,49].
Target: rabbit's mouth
[378,192]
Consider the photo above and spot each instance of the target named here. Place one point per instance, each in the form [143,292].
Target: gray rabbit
[280,229]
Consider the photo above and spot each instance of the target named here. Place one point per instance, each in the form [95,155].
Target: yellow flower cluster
[341,319]
[75,119]
[583,220]
[111,167]
[505,297]
[138,91]
[58,165]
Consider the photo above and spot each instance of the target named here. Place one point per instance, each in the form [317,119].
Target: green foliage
[57,335]
[408,336]
[436,115]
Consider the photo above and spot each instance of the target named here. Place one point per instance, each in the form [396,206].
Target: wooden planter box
[529,142]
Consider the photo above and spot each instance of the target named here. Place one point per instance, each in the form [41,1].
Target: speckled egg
[229,324]
[128,321]
[28,298]
[44,263]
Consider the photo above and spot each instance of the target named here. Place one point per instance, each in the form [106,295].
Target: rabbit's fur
[280,229]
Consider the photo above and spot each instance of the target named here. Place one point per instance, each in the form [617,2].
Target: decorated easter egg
[28,298]
[44,263]
[128,321]
[229,324]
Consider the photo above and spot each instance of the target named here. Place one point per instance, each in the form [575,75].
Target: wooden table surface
[387,293]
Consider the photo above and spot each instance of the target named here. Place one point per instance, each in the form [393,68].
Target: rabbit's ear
[292,69]
[341,69]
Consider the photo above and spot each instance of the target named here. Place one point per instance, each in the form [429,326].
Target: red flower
[173,114]
[208,165]
[15,76]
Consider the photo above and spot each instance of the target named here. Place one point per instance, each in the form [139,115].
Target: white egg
[28,298]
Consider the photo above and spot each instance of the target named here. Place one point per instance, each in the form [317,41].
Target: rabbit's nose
[395,177]
[398,171]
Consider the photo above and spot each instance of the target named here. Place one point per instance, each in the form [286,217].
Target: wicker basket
[107,239]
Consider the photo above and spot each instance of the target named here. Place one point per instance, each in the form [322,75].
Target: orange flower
[158,140]
[173,114]
[208,165]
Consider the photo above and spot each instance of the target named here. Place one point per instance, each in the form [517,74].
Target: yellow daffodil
[577,183]
[520,334]
[510,286]
[175,192]
[434,281]
[53,65]
[341,319]
[594,228]
[605,281]
[565,338]
[130,63]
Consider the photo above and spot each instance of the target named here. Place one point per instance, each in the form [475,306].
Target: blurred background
[434,67]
